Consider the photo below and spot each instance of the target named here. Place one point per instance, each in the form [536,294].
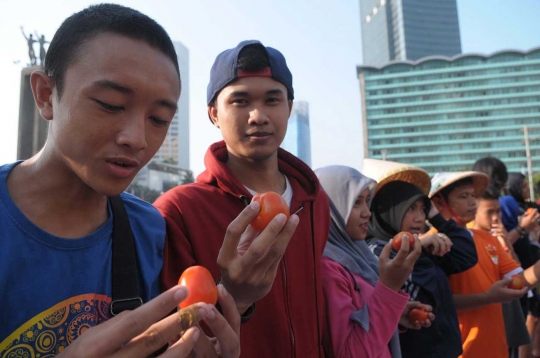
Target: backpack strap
[125,283]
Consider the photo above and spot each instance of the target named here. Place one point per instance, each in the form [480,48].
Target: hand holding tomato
[417,315]
[398,239]
[517,283]
[248,274]
[200,284]
[272,204]
[394,272]
[529,221]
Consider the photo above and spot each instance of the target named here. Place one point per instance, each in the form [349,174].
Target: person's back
[249,99]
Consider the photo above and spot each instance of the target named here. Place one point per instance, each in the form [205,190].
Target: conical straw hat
[444,179]
[384,171]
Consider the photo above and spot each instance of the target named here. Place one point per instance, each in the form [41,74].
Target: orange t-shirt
[482,328]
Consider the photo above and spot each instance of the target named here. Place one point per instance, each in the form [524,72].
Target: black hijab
[389,207]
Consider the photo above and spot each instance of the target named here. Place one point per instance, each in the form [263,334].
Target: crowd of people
[89,271]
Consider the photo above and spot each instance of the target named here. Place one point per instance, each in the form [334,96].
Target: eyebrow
[110,85]
[106,84]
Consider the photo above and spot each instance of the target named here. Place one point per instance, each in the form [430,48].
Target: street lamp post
[529,160]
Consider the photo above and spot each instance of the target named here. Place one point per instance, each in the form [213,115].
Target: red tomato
[418,314]
[200,284]
[271,205]
[396,243]
[529,211]
[518,282]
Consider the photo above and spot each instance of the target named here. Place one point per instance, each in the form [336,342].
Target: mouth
[259,134]
[364,226]
[122,167]
[124,162]
[415,230]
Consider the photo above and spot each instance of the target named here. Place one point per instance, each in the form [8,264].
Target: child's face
[488,213]
[414,218]
[462,202]
[114,112]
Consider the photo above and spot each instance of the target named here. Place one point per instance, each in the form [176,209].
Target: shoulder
[333,271]
[173,200]
[143,216]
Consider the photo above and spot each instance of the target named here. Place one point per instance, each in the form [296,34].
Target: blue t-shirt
[53,289]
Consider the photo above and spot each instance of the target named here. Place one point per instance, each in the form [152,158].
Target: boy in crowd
[479,291]
[109,91]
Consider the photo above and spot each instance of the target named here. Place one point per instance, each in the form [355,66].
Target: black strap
[125,283]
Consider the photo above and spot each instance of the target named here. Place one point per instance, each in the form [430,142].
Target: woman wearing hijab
[362,294]
[401,206]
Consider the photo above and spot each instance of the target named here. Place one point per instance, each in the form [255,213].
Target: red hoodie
[288,321]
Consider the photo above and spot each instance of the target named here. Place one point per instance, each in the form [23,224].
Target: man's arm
[498,293]
[463,254]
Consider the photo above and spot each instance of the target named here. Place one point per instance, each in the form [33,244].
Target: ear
[42,88]
[212,114]
[438,203]
[290,106]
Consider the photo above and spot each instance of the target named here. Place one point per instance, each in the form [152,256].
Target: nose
[133,133]
[366,213]
[257,117]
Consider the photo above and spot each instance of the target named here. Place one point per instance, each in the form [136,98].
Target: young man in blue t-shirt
[109,91]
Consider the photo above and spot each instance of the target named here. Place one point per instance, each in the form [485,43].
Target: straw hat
[444,179]
[384,172]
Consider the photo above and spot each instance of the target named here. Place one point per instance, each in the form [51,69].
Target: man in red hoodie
[276,285]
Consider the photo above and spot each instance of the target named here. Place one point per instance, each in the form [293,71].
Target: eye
[158,122]
[109,107]
[239,101]
[272,100]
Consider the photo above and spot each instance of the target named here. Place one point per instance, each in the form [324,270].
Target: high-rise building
[175,148]
[32,128]
[397,30]
[298,140]
[442,114]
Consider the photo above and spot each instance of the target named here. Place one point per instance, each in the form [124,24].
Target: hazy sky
[320,40]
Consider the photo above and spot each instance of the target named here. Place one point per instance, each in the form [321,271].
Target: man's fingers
[271,244]
[227,337]
[229,309]
[163,331]
[235,230]
[132,324]
[184,346]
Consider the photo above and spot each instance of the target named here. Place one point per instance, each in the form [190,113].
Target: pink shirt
[341,300]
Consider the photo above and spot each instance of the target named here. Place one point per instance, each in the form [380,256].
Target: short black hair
[84,25]
[491,193]
[495,169]
[450,188]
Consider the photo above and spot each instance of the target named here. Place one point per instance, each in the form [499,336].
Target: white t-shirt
[287,195]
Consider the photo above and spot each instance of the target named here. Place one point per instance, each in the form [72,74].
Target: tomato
[200,284]
[272,204]
[518,282]
[396,243]
[529,211]
[418,314]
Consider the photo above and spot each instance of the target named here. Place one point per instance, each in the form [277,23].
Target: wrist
[487,298]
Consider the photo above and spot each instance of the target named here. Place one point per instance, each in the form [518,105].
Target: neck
[260,176]
[54,198]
